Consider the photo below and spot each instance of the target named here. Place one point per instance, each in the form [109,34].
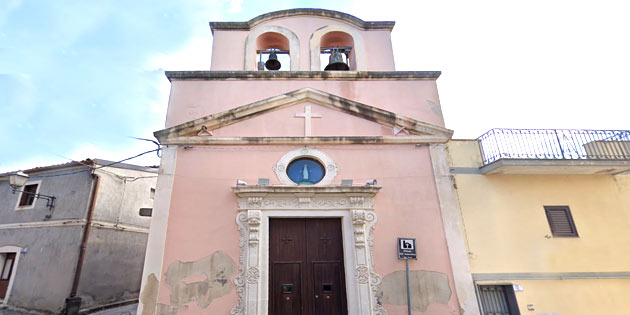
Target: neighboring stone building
[42,259]
[252,213]
[546,216]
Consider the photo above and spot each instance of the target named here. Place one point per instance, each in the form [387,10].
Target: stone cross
[307,119]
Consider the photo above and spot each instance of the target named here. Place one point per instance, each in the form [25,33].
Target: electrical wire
[99,167]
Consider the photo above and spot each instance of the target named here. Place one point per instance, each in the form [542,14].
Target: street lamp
[18,179]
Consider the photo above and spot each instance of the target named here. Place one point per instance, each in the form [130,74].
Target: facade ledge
[556,167]
[206,75]
[351,19]
[201,140]
[550,276]
[245,191]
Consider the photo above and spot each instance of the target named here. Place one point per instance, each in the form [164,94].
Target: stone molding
[345,17]
[281,167]
[206,75]
[188,133]
[354,204]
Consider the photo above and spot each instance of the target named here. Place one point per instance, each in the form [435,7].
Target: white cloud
[236,6]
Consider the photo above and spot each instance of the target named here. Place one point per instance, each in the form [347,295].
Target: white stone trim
[250,46]
[281,167]
[10,249]
[352,205]
[39,186]
[462,276]
[359,48]
[159,220]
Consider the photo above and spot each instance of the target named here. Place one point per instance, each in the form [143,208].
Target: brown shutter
[561,221]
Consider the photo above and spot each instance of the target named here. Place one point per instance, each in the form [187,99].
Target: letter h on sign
[407,248]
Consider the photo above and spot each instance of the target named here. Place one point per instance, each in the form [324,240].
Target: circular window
[305,171]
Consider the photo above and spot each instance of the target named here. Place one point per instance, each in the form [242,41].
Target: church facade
[290,171]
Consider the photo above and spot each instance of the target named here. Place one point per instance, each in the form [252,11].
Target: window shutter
[561,221]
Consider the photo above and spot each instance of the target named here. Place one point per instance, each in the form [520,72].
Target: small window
[305,171]
[498,300]
[28,195]
[152,193]
[561,221]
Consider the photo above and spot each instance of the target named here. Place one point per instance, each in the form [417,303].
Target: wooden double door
[306,267]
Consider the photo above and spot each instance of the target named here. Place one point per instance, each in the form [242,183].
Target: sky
[79,79]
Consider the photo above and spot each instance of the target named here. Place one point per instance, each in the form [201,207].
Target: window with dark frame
[561,221]
[498,300]
[28,195]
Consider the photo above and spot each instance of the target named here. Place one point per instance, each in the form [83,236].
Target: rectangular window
[7,266]
[561,221]
[28,195]
[498,300]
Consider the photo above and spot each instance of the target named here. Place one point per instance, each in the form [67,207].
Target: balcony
[555,151]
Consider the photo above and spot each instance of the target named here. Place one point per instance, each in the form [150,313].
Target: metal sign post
[406,251]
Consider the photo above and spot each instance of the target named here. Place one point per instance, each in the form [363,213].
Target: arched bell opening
[337,52]
[272,52]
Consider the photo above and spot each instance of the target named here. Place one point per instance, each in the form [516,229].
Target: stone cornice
[266,198]
[203,75]
[255,189]
[203,140]
[351,19]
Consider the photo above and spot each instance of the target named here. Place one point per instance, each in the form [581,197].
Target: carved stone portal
[256,204]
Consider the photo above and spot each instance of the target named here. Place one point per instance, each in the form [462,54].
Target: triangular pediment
[201,130]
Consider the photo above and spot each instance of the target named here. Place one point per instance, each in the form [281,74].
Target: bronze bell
[335,62]
[273,63]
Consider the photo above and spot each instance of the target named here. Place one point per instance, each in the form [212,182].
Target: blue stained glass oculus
[305,171]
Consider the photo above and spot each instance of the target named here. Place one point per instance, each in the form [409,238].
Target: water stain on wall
[426,287]
[148,296]
[185,283]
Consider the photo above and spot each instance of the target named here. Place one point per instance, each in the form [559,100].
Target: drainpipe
[73,303]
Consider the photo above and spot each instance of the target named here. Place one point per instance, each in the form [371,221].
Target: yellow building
[545,216]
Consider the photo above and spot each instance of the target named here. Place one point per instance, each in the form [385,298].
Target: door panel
[327,288]
[287,284]
[306,266]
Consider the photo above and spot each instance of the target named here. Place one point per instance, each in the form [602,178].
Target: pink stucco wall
[417,99]
[283,123]
[203,206]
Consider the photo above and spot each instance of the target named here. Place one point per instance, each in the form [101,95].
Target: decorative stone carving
[290,201]
[358,224]
[355,202]
[239,280]
[253,223]
[252,275]
[363,274]
[254,201]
